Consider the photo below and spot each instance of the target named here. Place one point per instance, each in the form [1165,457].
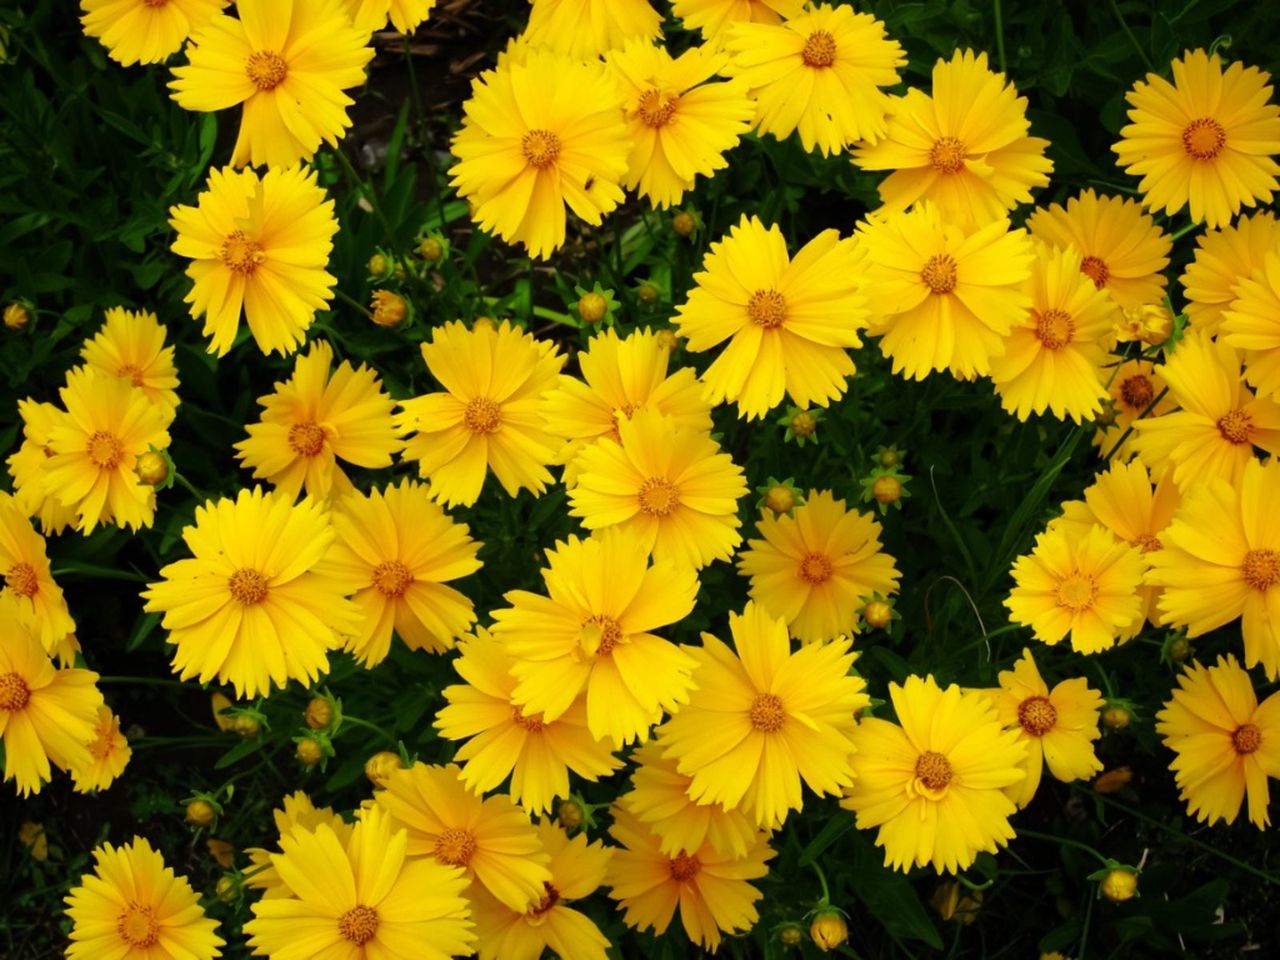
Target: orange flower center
[1077,592]
[532,723]
[939,273]
[947,155]
[392,579]
[819,49]
[482,415]
[1261,568]
[1096,270]
[21,579]
[684,868]
[550,897]
[1137,391]
[455,847]
[105,450]
[816,568]
[131,372]
[1037,715]
[541,148]
[1147,542]
[658,497]
[154,3]
[1246,739]
[1236,426]
[359,924]
[1204,139]
[137,925]
[767,714]
[933,770]
[656,108]
[601,635]
[104,743]
[267,70]
[767,308]
[306,439]
[1055,328]
[247,586]
[240,253]
[14,692]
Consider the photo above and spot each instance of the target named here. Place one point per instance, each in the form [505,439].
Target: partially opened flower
[1252,325]
[585,29]
[1135,386]
[131,346]
[296,812]
[109,754]
[1222,259]
[24,565]
[145,31]
[715,17]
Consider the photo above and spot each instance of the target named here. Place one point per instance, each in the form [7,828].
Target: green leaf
[889,896]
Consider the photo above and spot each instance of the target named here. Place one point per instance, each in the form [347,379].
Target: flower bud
[1180,650]
[319,713]
[648,292]
[666,340]
[888,457]
[878,614]
[887,489]
[226,889]
[246,726]
[309,751]
[200,813]
[828,929]
[683,223]
[1116,717]
[152,468]
[378,265]
[32,836]
[1113,781]
[1119,885]
[792,935]
[780,499]
[592,307]
[389,309]
[379,767]
[16,316]
[431,249]
[569,813]
[803,424]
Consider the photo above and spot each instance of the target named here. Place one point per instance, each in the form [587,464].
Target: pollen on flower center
[137,926]
[656,108]
[1077,592]
[130,372]
[392,579]
[1246,739]
[14,692]
[359,924]
[1236,426]
[658,497]
[306,439]
[455,847]
[532,723]
[947,155]
[1137,391]
[816,568]
[819,49]
[550,897]
[1037,715]
[105,450]
[939,273]
[154,3]
[1261,568]
[767,308]
[541,148]
[1096,270]
[600,634]
[767,713]
[1147,542]
[267,70]
[1055,328]
[247,586]
[1204,139]
[482,415]
[241,253]
[933,770]
[21,579]
[684,867]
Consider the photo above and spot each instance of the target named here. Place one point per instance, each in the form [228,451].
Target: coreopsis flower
[1207,139]
[287,63]
[943,297]
[1227,744]
[788,322]
[362,898]
[29,463]
[1058,726]
[405,16]
[144,31]
[766,718]
[259,248]
[316,418]
[817,567]
[109,425]
[501,739]
[712,890]
[1222,259]
[24,566]
[935,788]
[487,416]
[592,633]
[681,124]
[255,606]
[1135,386]
[715,17]
[1219,422]
[131,346]
[585,29]
[296,812]
[134,907]
[1078,583]
[1252,325]
[1053,359]
[963,147]
[109,754]
[1122,250]
[537,135]
[398,550]
[674,487]
[820,72]
[491,839]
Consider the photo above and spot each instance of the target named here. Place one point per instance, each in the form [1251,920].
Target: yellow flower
[1207,138]
[259,247]
[681,124]
[788,322]
[316,418]
[256,605]
[934,783]
[397,549]
[144,31]
[592,633]
[712,890]
[109,754]
[765,718]
[487,416]
[296,812]
[942,297]
[1227,744]
[24,565]
[715,17]
[538,135]
[95,448]
[816,568]
[502,740]
[405,16]
[1223,258]
[29,463]
[819,72]
[585,29]
[1133,387]
[362,897]
[1252,325]
[492,839]
[131,346]
[288,64]
[1122,250]
[134,907]
[964,148]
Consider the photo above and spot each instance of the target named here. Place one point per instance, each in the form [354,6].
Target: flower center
[359,924]
[550,897]
[137,925]
[247,586]
[14,692]
[240,253]
[658,497]
[105,450]
[1055,328]
[684,868]
[599,635]
[1096,270]
[130,372]
[1037,715]
[656,108]
[541,148]
[1236,426]
[819,49]
[455,847]
[816,568]
[392,579]
[1261,568]
[104,743]
[767,308]
[1077,592]
[267,70]
[947,155]
[1246,739]
[482,415]
[1137,391]
[1204,139]
[154,3]
[1147,542]
[307,439]
[939,273]
[767,714]
[532,723]
[933,770]
[21,579]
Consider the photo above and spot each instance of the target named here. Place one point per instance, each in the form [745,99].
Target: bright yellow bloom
[788,322]
[819,72]
[502,740]
[1134,386]
[817,567]
[24,565]
[256,605]
[585,29]
[1227,744]
[131,346]
[487,416]
[1223,258]
[258,247]
[362,898]
[144,31]
[109,754]
[295,812]
[715,17]
[1206,139]
[712,890]
[492,839]
[537,135]
[29,463]
[964,148]
[943,298]
[369,16]
[1252,325]
[133,907]
[592,633]
[287,62]
[316,418]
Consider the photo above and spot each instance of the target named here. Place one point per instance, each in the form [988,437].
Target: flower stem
[353,303]
[1115,8]
[187,485]
[826,892]
[356,721]
[999,12]
[1065,841]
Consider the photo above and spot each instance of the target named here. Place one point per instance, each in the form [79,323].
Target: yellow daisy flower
[132,906]
[1252,325]
[817,567]
[24,564]
[819,72]
[287,63]
[362,898]
[1223,258]
[715,17]
[131,346]
[109,754]
[487,417]
[296,812]
[259,247]
[256,605]
[592,633]
[539,135]
[1206,139]
[491,839]
[29,464]
[964,147]
[1122,250]
[405,16]
[712,890]
[934,783]
[1227,744]
[144,31]
[788,322]
[585,29]
[502,740]
[1133,387]
[316,418]
[943,298]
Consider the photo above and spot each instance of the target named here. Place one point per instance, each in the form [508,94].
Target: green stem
[146,682]
[1183,231]
[353,303]
[189,487]
[1004,68]
[822,879]
[1065,841]
[356,721]
[1129,429]
[1115,8]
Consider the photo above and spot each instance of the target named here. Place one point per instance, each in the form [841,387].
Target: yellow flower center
[1077,592]
[947,155]
[306,439]
[767,308]
[14,692]
[1037,715]
[819,49]
[392,579]
[816,568]
[933,770]
[1137,392]
[939,273]
[104,743]
[599,635]
[658,497]
[105,450]
[537,914]
[154,3]
[21,579]
[1261,568]
[1147,542]
[137,925]
[240,253]
[684,868]
[656,108]
[767,714]
[482,415]
[1236,426]
[247,586]
[532,723]
[1096,270]
[359,924]
[541,148]
[131,372]
[455,847]
[1246,739]
[1055,328]
[1204,139]
[267,70]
